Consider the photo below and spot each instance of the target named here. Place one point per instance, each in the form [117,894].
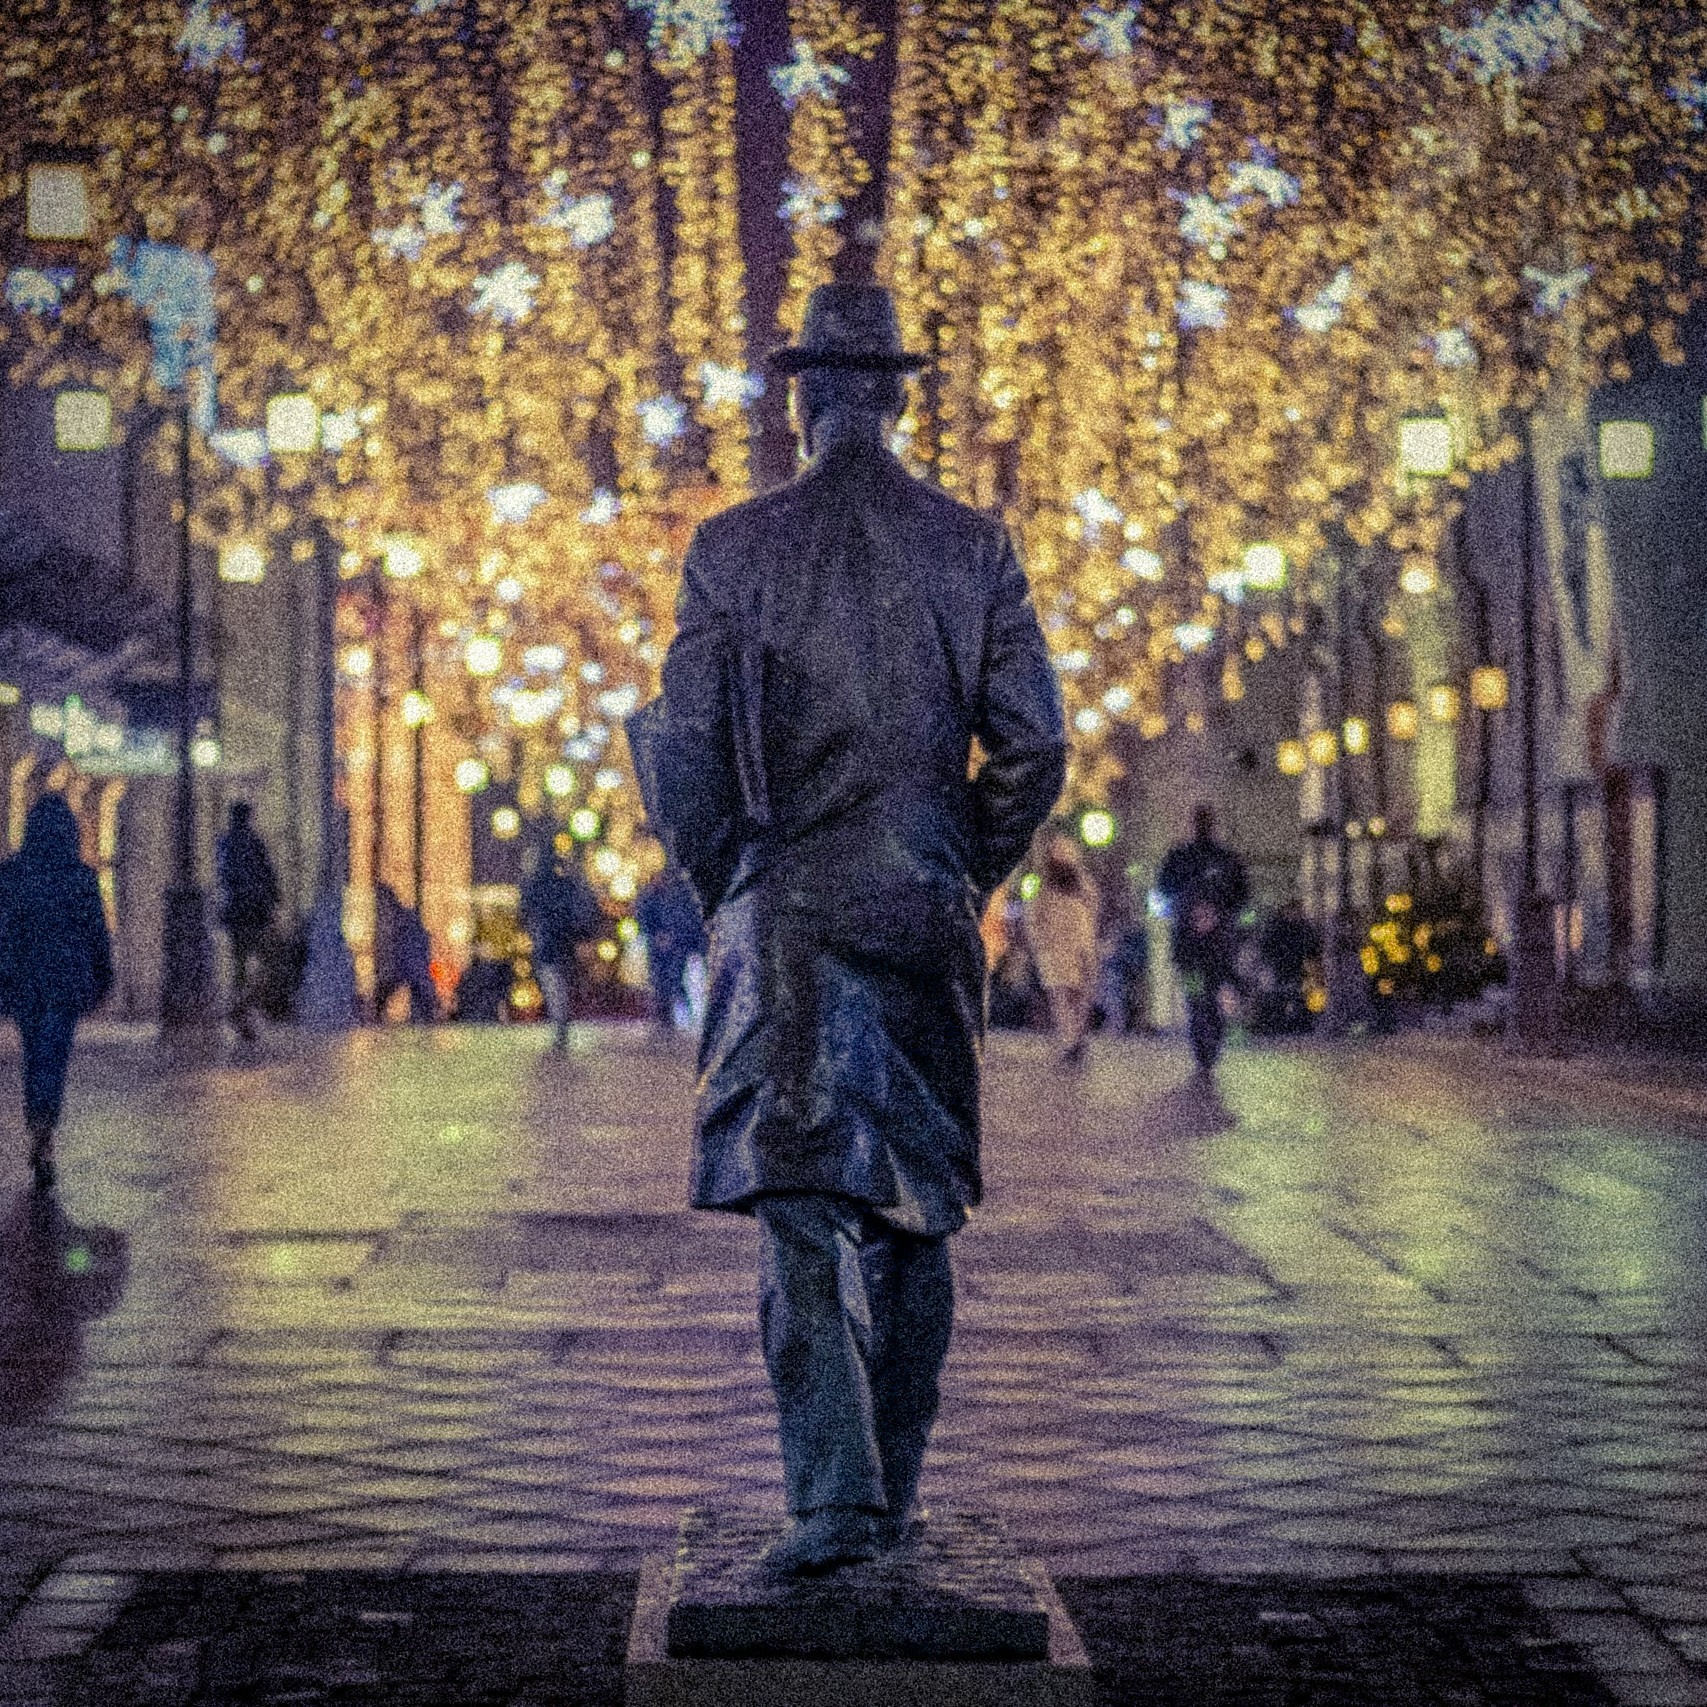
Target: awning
[69,622]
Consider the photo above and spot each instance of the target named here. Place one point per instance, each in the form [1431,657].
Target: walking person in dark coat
[840,643]
[559,913]
[668,916]
[250,891]
[56,962]
[1206,888]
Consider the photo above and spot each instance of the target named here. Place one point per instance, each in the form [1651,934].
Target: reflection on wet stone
[1221,1375]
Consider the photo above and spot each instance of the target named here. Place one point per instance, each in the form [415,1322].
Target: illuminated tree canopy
[1185,268]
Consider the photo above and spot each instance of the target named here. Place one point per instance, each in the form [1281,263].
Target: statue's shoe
[903,1529]
[822,1541]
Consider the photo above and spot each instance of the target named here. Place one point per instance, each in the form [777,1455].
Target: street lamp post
[418,761]
[186,983]
[1535,992]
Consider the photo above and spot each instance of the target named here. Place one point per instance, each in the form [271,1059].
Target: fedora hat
[849,326]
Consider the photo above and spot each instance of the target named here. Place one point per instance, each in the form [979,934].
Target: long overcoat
[841,643]
[55,952]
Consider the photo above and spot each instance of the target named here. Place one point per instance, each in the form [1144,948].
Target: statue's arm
[698,790]
[1018,721]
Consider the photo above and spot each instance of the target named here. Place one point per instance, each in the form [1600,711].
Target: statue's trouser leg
[910,1285]
[815,1320]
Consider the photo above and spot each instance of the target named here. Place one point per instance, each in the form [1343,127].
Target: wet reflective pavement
[429,1300]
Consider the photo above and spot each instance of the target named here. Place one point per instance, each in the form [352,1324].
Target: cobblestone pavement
[429,1300]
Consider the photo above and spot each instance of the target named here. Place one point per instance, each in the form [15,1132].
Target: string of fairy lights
[1185,272]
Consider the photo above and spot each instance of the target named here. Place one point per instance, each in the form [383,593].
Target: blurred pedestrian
[668,915]
[1289,946]
[483,991]
[402,958]
[1061,926]
[1126,977]
[559,913]
[1205,886]
[56,962]
[250,892]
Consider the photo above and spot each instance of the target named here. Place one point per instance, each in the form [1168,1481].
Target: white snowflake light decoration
[339,429]
[1692,97]
[1193,636]
[1206,222]
[1554,292]
[242,447]
[1097,511]
[806,74]
[402,242]
[662,419]
[806,203]
[208,37]
[515,501]
[1182,123]
[1139,560]
[1201,306]
[604,509]
[1517,44]
[37,290]
[1324,311]
[588,219]
[438,209]
[1259,177]
[728,385]
[692,27]
[616,703]
[1454,348]
[506,293]
[1110,33]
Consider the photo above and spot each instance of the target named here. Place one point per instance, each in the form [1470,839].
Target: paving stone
[1168,1346]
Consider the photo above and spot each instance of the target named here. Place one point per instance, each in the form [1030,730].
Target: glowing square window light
[1490,688]
[1626,450]
[293,423]
[404,559]
[1403,720]
[1264,567]
[1443,703]
[1425,446]
[1355,734]
[242,561]
[56,203]
[82,420]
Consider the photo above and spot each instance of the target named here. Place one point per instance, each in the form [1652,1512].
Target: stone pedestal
[957,1617]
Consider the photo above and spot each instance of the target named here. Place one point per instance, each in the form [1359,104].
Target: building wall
[259,645]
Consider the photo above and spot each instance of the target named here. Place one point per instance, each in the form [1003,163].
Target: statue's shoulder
[736,527]
[948,511]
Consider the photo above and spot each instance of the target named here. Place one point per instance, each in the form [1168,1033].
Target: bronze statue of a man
[842,642]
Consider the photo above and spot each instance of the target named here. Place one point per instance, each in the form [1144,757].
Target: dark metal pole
[334,854]
[418,757]
[1535,1015]
[1531,686]
[293,733]
[376,825]
[1342,710]
[184,812]
[186,985]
